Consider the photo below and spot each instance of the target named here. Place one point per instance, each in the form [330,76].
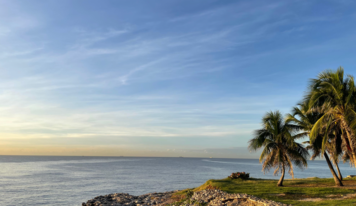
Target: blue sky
[159,78]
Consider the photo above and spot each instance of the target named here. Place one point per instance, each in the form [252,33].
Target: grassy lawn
[292,192]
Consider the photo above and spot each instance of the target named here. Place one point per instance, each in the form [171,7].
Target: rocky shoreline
[204,197]
[124,199]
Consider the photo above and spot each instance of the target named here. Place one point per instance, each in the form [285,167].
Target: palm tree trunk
[334,160]
[280,182]
[338,171]
[336,179]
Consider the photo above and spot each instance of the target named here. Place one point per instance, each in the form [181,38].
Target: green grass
[292,192]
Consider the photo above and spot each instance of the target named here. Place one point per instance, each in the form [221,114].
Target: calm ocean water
[41,180]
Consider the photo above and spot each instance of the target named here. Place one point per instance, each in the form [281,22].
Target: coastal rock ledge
[204,197]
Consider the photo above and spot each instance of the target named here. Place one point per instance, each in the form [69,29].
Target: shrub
[241,175]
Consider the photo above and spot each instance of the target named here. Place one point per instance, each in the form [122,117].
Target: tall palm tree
[280,150]
[335,97]
[306,120]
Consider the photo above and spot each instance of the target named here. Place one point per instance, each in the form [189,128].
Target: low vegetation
[310,191]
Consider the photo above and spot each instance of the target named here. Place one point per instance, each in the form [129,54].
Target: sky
[159,78]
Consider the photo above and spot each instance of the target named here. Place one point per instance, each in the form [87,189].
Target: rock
[207,197]
[124,199]
[223,198]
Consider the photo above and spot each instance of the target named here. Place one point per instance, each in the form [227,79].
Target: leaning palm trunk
[280,182]
[334,159]
[336,179]
[338,171]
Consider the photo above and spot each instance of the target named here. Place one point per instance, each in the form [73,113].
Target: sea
[55,180]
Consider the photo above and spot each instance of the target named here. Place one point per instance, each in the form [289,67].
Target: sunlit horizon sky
[159,78]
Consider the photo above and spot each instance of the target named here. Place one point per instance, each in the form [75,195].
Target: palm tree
[280,150]
[335,97]
[306,120]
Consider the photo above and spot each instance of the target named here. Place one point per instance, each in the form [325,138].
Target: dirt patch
[312,199]
[330,197]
